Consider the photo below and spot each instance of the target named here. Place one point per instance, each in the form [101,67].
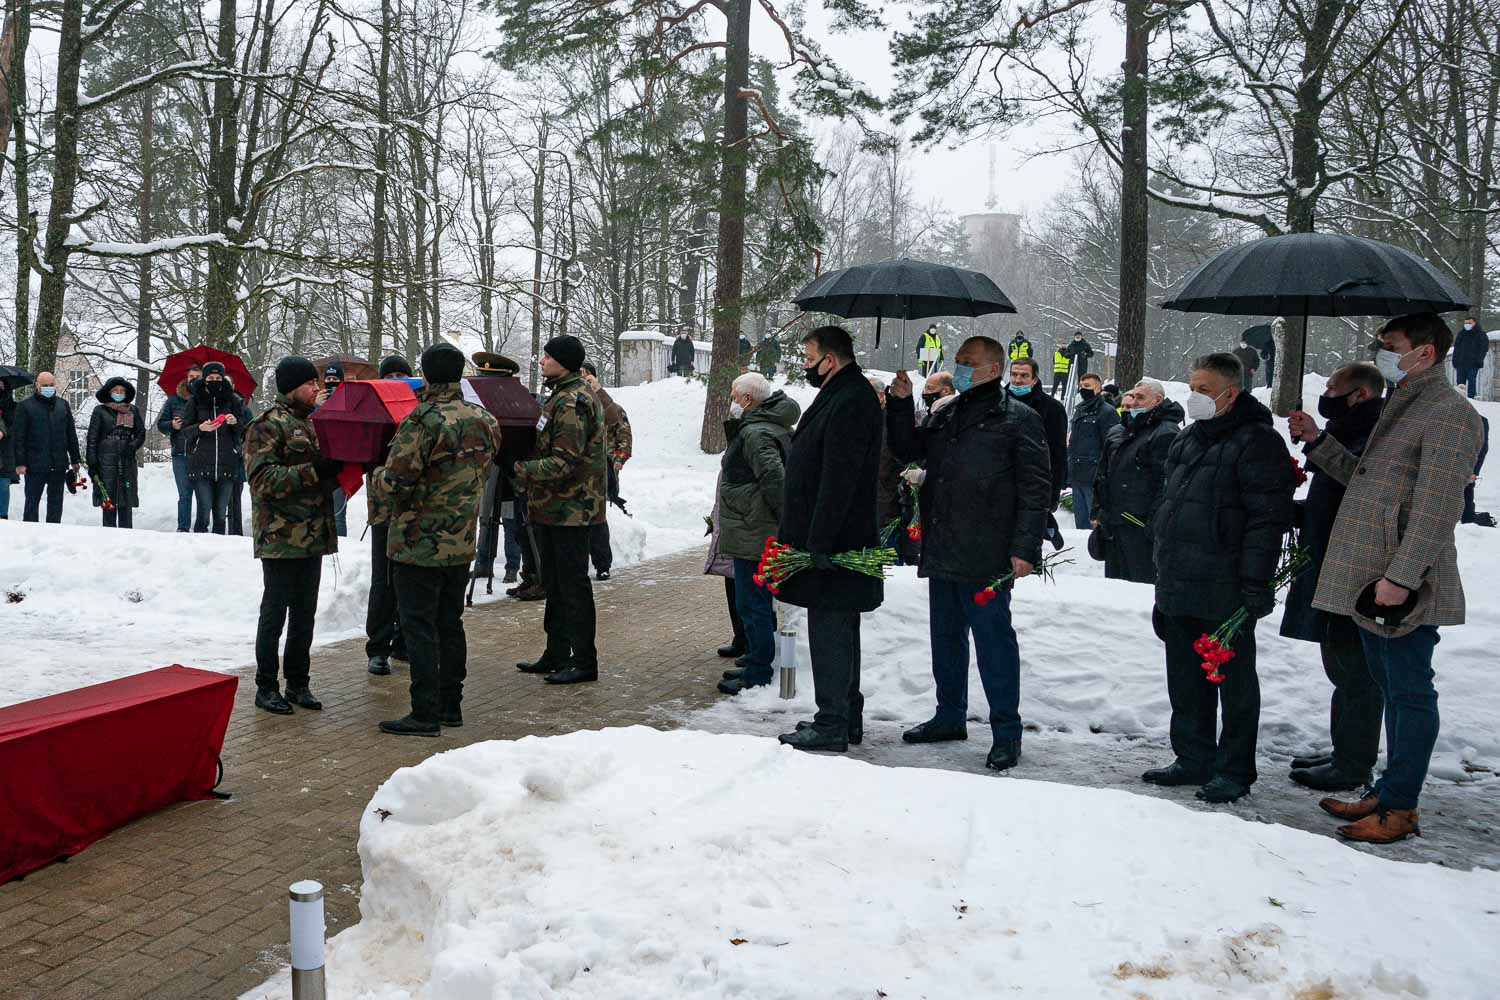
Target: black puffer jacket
[988,487]
[45,438]
[829,505]
[213,454]
[1131,479]
[1055,426]
[7,428]
[110,449]
[1226,506]
[1092,421]
[1470,347]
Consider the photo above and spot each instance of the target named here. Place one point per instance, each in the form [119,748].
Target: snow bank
[634,863]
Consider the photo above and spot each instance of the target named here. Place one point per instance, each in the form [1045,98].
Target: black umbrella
[903,289]
[13,378]
[1258,337]
[1316,274]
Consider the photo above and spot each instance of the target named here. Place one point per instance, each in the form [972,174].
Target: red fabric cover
[351,478]
[77,765]
[176,367]
[358,421]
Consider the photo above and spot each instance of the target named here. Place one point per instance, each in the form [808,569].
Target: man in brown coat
[1394,537]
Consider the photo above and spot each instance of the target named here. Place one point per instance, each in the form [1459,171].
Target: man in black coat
[1470,348]
[682,355]
[1026,385]
[1093,419]
[1132,475]
[1226,507]
[829,507]
[46,448]
[1352,404]
[983,501]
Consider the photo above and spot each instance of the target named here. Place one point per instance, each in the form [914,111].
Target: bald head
[45,378]
[938,384]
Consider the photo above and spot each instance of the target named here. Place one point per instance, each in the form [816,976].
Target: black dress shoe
[1175,774]
[541,665]
[380,666]
[1004,755]
[856,730]
[271,700]
[730,649]
[735,685]
[1331,778]
[573,675]
[603,574]
[303,698]
[933,731]
[813,738]
[410,726]
[1318,760]
[452,718]
[1222,790]
[532,592]
[734,673]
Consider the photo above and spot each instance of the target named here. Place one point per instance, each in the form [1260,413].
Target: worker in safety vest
[1060,364]
[1020,347]
[930,340]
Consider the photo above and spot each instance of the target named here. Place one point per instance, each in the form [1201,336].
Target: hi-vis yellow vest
[1020,349]
[1060,362]
[932,340]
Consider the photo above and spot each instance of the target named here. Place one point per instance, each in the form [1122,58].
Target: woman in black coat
[116,433]
[7,448]
[213,428]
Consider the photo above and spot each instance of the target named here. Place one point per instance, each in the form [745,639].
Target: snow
[630,862]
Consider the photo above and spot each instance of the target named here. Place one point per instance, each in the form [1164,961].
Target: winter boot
[510,576]
[856,730]
[1311,760]
[936,731]
[603,574]
[813,738]
[451,718]
[734,673]
[409,725]
[1175,774]
[532,592]
[1331,778]
[303,698]
[271,700]
[1368,805]
[1384,826]
[1222,790]
[1004,755]
[732,648]
[380,666]
[574,675]
[540,665]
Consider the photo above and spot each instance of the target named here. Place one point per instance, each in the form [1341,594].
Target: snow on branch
[176,244]
[197,69]
[272,183]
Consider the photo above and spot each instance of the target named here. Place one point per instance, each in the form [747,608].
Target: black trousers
[734,614]
[1059,381]
[1196,702]
[382,623]
[53,483]
[529,569]
[599,551]
[563,557]
[431,601]
[1357,707]
[120,517]
[833,641]
[290,599]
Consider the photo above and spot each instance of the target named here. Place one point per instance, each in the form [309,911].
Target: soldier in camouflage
[617,444]
[432,480]
[291,485]
[382,624]
[565,485]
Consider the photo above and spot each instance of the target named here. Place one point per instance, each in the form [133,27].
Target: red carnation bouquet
[779,562]
[1046,568]
[1218,649]
[1300,471]
[106,503]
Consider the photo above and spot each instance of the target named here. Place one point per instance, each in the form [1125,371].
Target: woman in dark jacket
[116,433]
[7,449]
[213,427]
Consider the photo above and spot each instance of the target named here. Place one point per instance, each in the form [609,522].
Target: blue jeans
[4,496]
[1403,670]
[1469,376]
[759,616]
[512,544]
[184,492]
[952,616]
[1083,502]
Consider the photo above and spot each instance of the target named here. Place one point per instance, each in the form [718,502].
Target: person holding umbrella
[116,433]
[46,448]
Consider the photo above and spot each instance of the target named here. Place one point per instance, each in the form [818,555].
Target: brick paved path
[191,902]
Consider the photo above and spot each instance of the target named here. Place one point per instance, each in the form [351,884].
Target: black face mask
[815,378]
[1334,407]
[218,389]
[929,398]
[1086,394]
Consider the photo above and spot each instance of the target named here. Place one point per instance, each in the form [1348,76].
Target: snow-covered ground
[635,863]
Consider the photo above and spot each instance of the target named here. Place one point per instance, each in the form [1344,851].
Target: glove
[821,561]
[916,477]
[1259,600]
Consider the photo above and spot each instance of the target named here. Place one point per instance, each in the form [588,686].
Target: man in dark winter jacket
[1470,348]
[1026,385]
[213,427]
[1225,510]
[1132,475]
[1093,418]
[751,485]
[1249,360]
[1351,404]
[682,355]
[829,508]
[1079,351]
[983,503]
[170,423]
[46,448]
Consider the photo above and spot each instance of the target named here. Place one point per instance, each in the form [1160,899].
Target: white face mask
[1201,406]
[1389,363]
[735,409]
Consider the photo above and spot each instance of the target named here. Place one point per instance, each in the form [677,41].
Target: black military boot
[303,698]
[271,700]
[380,666]
[409,725]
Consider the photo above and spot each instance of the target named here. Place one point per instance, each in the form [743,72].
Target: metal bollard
[786,662]
[307,940]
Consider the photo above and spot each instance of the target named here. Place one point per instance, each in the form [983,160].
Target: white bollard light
[786,662]
[307,940]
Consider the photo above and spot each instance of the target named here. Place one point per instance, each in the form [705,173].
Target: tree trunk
[25,218]
[49,311]
[1135,245]
[8,66]
[143,280]
[224,136]
[729,280]
[376,346]
[538,233]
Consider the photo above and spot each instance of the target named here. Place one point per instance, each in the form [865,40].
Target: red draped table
[77,765]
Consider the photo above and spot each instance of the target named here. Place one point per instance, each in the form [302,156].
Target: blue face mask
[963,378]
[118,397]
[48,391]
[1019,390]
[1138,414]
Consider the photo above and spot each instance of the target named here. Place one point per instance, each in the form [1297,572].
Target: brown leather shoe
[1350,811]
[1384,827]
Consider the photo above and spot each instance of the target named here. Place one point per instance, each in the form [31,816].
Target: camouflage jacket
[292,510]
[378,507]
[433,477]
[617,434]
[566,483]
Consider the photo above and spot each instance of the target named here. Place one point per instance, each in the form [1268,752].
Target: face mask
[1333,407]
[1201,406]
[815,377]
[48,391]
[1468,326]
[1138,413]
[218,389]
[1085,394]
[118,397]
[736,410]
[1019,390]
[1389,363]
[929,398]
[963,378]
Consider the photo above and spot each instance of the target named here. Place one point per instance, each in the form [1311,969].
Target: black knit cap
[292,371]
[442,363]
[566,351]
[395,364]
[213,368]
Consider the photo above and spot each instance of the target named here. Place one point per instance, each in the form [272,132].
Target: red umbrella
[177,365]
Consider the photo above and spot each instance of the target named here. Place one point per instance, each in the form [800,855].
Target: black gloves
[821,561]
[1259,600]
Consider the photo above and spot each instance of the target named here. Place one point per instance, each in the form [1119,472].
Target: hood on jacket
[185,389]
[1165,412]
[103,394]
[779,408]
